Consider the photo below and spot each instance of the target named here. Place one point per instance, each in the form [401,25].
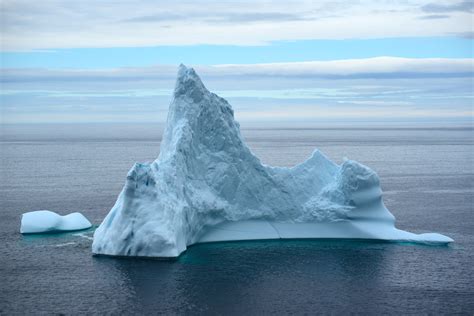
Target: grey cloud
[464,6]
[468,35]
[220,17]
[379,67]
[434,17]
[257,17]
[158,17]
[142,94]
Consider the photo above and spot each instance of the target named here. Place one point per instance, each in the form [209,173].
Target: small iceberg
[47,222]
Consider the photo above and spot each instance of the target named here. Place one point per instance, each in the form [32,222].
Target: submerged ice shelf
[206,185]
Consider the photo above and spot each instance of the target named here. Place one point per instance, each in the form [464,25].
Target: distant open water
[427,176]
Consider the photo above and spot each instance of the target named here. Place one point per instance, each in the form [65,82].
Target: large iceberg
[207,185]
[47,222]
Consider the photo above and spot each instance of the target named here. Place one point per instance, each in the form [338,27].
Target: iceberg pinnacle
[207,185]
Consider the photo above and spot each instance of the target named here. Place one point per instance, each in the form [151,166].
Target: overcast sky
[95,61]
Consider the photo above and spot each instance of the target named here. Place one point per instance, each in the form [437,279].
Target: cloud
[378,88]
[378,67]
[157,17]
[52,24]
[468,35]
[463,6]
[434,17]
[220,17]
[256,17]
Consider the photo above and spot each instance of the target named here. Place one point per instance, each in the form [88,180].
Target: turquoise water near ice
[427,175]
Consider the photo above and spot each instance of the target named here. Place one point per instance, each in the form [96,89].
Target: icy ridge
[206,178]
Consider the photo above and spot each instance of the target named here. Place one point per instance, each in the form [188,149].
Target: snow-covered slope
[47,221]
[206,185]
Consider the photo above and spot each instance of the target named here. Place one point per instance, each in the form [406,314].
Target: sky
[320,61]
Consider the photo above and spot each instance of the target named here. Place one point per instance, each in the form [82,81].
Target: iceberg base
[263,229]
[270,230]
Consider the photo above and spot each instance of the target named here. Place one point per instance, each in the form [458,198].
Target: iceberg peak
[189,84]
[207,185]
[197,119]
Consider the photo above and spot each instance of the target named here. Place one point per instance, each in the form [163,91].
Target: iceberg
[206,185]
[47,221]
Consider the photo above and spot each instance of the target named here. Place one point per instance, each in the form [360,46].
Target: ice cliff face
[206,185]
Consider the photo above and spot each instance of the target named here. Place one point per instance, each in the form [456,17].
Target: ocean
[427,174]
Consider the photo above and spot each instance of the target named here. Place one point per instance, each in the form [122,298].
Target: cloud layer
[463,6]
[374,88]
[30,25]
[378,67]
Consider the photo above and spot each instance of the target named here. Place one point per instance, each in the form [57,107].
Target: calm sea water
[427,176]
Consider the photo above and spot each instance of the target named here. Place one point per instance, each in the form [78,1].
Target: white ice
[47,221]
[207,185]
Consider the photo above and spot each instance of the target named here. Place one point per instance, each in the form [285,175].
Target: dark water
[427,176]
